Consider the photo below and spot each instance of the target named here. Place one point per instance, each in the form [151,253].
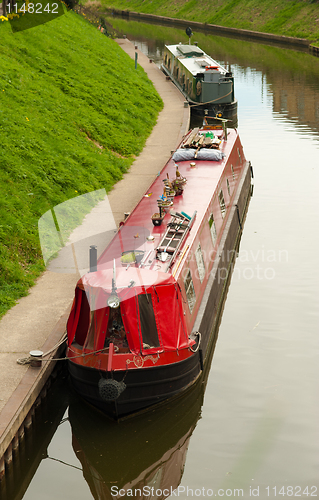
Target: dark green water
[253,430]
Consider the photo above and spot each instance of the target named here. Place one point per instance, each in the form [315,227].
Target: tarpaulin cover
[184,154]
[150,305]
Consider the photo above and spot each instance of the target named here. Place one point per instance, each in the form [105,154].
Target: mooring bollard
[36,358]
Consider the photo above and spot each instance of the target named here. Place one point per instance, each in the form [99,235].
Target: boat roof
[123,278]
[138,234]
[193,58]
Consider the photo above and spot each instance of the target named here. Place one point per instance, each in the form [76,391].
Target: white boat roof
[193,58]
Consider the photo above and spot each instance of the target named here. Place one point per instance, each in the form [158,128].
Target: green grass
[297,18]
[74,113]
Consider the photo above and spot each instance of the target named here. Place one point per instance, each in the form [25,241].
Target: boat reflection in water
[129,458]
[138,454]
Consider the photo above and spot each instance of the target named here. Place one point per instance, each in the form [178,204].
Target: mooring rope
[209,102]
[199,341]
[25,361]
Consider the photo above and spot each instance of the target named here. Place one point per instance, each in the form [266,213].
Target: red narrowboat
[142,320]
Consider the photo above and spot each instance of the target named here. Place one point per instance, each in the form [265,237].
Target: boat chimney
[93,258]
[189,34]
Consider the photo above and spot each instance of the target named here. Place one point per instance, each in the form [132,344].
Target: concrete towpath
[37,322]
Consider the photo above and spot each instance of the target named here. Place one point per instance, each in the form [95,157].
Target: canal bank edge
[18,413]
[172,124]
[301,43]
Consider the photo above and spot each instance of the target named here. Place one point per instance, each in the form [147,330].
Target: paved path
[38,320]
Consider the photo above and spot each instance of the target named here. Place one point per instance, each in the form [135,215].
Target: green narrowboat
[207,86]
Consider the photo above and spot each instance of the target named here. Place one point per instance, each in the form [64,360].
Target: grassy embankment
[297,18]
[74,113]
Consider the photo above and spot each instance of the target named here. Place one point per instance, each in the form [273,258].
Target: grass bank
[74,112]
[297,18]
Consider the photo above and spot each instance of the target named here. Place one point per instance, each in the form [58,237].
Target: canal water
[252,429]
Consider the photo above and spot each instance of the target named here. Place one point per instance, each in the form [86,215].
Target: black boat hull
[144,387]
[227,110]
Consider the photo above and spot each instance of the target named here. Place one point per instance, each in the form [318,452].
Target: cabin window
[239,155]
[200,263]
[222,203]
[177,73]
[190,291]
[169,63]
[148,323]
[165,60]
[228,186]
[233,172]
[213,231]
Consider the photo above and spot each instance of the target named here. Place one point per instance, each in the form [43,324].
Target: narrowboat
[142,321]
[205,84]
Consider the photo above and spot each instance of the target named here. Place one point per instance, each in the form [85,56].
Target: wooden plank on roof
[190,139]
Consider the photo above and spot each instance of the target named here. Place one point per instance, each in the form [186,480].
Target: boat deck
[139,233]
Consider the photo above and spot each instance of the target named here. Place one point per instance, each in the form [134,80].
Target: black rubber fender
[110,389]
